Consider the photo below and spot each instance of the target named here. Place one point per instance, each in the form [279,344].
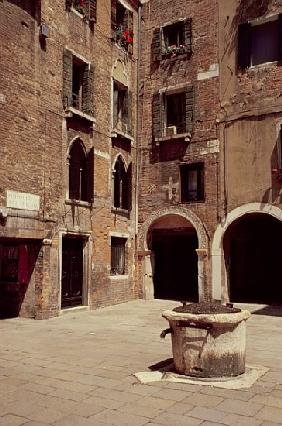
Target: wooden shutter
[129,187]
[90,175]
[244,45]
[129,26]
[129,112]
[113,16]
[88,90]
[156,47]
[189,108]
[157,118]
[92,10]
[67,78]
[115,106]
[124,108]
[188,35]
[69,4]
[280,37]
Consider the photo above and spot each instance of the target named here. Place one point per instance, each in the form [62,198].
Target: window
[14,263]
[173,113]
[121,108]
[172,40]
[192,182]
[259,43]
[122,26]
[78,82]
[122,181]
[87,8]
[118,256]
[81,166]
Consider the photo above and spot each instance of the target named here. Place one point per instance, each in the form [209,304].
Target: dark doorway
[72,272]
[252,250]
[176,269]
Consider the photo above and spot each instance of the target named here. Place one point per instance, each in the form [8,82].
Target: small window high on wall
[81,173]
[259,42]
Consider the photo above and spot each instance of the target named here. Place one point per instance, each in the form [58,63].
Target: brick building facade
[141,152]
[67,234]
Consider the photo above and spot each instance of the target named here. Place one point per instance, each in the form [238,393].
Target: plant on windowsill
[80,6]
[123,37]
[174,50]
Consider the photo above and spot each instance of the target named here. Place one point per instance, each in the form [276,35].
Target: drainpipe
[137,119]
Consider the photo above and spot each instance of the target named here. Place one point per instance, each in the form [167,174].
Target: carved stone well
[208,340]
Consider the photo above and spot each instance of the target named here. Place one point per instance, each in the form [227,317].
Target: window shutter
[190,108]
[115,107]
[90,175]
[157,118]
[188,35]
[69,4]
[67,78]
[92,10]
[280,37]
[156,47]
[129,26]
[129,112]
[88,90]
[244,45]
[129,187]
[114,16]
[125,111]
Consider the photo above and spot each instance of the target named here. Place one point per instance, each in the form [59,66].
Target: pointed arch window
[122,178]
[81,168]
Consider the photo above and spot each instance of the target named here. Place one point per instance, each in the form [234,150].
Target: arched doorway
[252,256]
[173,242]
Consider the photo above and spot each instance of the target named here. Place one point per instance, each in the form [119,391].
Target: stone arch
[72,142]
[119,155]
[148,255]
[219,274]
[187,214]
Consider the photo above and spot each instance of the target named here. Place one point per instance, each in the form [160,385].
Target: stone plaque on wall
[23,200]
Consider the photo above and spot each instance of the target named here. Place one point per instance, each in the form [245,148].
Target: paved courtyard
[78,370]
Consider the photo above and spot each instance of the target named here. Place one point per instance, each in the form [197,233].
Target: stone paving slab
[78,370]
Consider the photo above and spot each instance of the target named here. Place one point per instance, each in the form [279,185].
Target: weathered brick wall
[160,163]
[36,136]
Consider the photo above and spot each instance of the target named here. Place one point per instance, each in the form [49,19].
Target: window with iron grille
[81,172]
[118,261]
[259,42]
[9,262]
[192,182]
[78,82]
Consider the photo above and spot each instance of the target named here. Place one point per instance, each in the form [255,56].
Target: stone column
[202,254]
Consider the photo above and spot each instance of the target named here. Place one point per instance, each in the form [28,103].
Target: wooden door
[72,272]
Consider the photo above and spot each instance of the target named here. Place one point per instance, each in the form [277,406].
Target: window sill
[120,212]
[175,57]
[78,203]
[77,13]
[123,49]
[71,111]
[185,136]
[116,132]
[193,202]
[119,277]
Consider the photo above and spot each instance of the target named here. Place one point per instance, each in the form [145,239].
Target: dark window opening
[122,26]
[174,35]
[80,173]
[118,256]
[175,113]
[192,182]
[122,185]
[9,263]
[78,71]
[120,107]
[259,44]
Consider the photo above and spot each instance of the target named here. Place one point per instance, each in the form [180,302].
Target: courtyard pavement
[77,370]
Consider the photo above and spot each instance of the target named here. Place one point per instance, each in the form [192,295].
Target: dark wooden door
[72,272]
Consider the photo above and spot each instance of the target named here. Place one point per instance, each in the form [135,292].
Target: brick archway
[148,255]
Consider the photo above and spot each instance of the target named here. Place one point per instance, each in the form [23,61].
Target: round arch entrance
[172,241]
[252,256]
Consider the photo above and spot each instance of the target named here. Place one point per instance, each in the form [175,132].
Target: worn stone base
[244,381]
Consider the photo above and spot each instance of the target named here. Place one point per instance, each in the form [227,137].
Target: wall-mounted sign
[23,200]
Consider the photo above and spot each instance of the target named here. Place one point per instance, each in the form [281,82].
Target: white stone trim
[219,289]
